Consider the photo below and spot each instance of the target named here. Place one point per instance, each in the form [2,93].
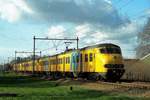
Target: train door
[86,62]
[97,61]
[44,65]
[75,63]
[56,62]
[63,64]
[91,62]
[49,65]
[94,61]
[81,62]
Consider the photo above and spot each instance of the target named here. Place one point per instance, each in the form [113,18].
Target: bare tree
[144,41]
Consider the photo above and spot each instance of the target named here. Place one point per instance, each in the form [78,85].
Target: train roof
[100,45]
[87,47]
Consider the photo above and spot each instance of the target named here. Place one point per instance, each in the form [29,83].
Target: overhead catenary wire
[53,46]
[56,45]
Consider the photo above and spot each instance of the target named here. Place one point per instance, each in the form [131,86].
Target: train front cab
[111,63]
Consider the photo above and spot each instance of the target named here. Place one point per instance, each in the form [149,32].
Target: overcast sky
[93,21]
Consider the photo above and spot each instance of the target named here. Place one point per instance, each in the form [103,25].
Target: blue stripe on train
[74,64]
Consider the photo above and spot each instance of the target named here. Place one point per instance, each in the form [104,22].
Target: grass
[28,88]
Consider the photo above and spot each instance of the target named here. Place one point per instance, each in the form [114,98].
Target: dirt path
[112,89]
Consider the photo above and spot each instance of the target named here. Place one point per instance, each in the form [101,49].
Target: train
[101,61]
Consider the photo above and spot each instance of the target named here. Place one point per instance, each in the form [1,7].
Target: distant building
[144,41]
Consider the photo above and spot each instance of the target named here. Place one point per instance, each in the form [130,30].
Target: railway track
[129,85]
[133,88]
[137,85]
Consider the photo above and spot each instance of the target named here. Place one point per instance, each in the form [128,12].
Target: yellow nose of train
[112,62]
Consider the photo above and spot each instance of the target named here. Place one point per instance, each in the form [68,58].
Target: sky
[93,21]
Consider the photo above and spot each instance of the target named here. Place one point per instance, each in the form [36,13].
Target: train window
[53,62]
[68,59]
[91,57]
[117,50]
[26,65]
[50,62]
[86,57]
[58,61]
[110,50]
[103,50]
[45,62]
[61,61]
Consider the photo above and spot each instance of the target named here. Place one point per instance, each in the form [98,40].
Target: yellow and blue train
[102,61]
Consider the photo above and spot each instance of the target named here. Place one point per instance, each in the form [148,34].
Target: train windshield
[110,50]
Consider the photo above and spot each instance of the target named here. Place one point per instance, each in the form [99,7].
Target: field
[21,87]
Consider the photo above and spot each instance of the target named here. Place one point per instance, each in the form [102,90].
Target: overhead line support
[35,38]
